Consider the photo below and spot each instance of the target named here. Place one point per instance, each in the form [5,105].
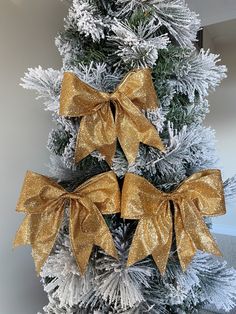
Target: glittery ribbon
[199,196]
[99,129]
[44,202]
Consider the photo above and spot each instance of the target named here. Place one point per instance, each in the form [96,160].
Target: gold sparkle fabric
[99,130]
[44,202]
[199,196]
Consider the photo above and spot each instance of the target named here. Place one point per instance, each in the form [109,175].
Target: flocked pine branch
[59,171]
[197,73]
[99,76]
[156,117]
[69,47]
[54,307]
[85,19]
[181,23]
[217,281]
[62,278]
[230,189]
[185,72]
[119,286]
[138,46]
[202,282]
[47,84]
[187,151]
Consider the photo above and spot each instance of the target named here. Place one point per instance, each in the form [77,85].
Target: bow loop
[37,194]
[44,202]
[200,195]
[79,99]
[205,189]
[139,87]
[99,130]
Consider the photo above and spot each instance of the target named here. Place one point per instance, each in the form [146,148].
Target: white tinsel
[139,46]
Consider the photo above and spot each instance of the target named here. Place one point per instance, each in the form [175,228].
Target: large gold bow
[44,201]
[198,196]
[98,129]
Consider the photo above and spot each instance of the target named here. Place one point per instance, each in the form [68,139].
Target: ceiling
[214,11]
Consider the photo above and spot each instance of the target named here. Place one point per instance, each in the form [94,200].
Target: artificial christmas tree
[121,226]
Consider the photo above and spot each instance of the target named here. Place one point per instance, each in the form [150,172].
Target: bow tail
[39,231]
[153,236]
[88,228]
[192,233]
[164,231]
[130,120]
[142,244]
[23,234]
[97,132]
[105,241]
[81,239]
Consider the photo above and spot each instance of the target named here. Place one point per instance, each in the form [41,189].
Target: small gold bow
[44,202]
[200,195]
[98,129]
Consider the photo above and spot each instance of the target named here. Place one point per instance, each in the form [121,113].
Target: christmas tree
[109,46]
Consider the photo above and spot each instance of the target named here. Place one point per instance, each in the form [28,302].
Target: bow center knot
[115,95]
[171,196]
[70,196]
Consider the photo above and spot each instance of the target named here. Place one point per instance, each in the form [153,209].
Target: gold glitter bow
[198,196]
[44,202]
[99,130]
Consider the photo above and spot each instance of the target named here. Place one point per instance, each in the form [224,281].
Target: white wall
[213,11]
[27,31]
[222,116]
